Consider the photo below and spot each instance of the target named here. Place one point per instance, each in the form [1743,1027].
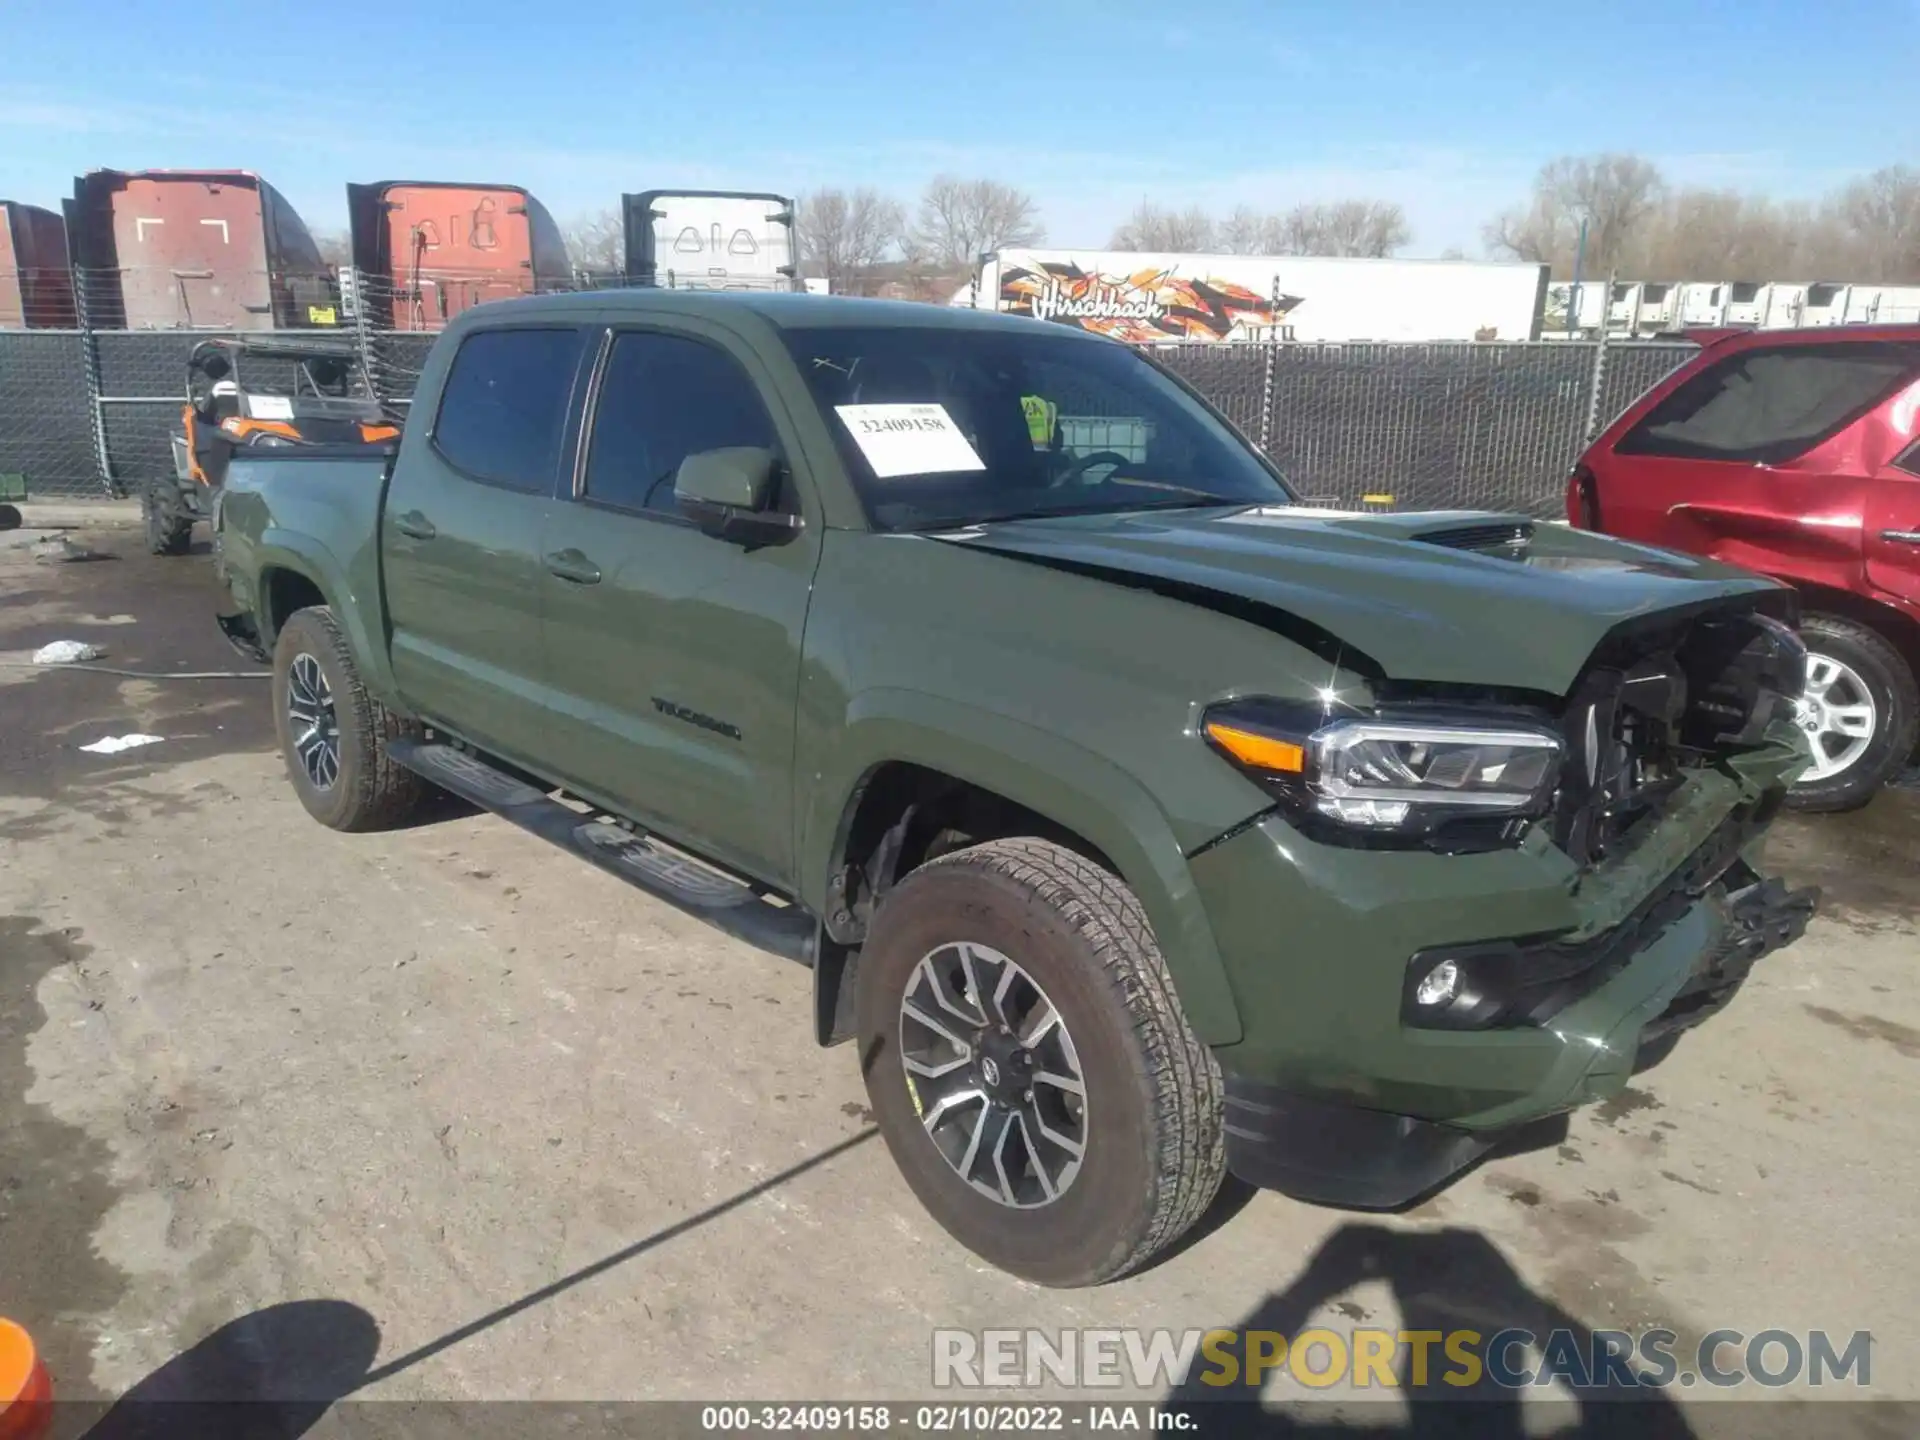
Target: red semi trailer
[195,249]
[36,285]
[430,249]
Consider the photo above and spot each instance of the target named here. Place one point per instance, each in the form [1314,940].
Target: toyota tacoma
[1139,823]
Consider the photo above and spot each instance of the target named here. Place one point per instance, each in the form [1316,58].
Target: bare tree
[1724,234]
[1370,228]
[597,242]
[843,234]
[960,220]
[1881,218]
[335,246]
[1244,232]
[1617,196]
[1151,227]
[1866,231]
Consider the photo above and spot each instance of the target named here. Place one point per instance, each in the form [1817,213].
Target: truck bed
[287,514]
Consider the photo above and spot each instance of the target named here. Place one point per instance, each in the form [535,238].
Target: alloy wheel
[994,1075]
[1839,716]
[314,726]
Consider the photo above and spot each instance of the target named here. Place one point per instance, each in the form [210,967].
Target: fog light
[1439,985]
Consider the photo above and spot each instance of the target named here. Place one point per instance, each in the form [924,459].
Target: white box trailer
[1890,305]
[1574,311]
[1161,298]
[1703,302]
[1645,308]
[709,239]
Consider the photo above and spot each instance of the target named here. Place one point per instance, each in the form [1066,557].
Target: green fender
[351,588]
[1069,785]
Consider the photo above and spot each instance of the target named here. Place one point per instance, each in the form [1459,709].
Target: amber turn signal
[1262,752]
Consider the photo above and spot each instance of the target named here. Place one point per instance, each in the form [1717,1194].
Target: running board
[727,903]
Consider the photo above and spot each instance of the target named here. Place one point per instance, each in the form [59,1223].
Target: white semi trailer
[1652,307]
[1165,298]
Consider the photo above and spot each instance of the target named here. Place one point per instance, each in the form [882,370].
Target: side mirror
[739,478]
[730,494]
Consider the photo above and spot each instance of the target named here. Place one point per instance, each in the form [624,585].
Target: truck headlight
[1390,775]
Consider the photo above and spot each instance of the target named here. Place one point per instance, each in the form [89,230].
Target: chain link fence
[88,411]
[47,442]
[1483,425]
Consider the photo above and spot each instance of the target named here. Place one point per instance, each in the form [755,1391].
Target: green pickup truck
[1139,823]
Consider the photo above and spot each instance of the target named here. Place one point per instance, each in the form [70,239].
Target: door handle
[572,566]
[415,524]
[1901,537]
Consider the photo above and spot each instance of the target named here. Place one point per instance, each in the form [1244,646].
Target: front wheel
[1029,1065]
[1860,713]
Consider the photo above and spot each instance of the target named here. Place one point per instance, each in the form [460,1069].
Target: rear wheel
[333,734]
[1029,1065]
[169,527]
[1860,713]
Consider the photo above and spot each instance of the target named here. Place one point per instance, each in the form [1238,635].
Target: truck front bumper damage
[1333,1097]
[1333,1153]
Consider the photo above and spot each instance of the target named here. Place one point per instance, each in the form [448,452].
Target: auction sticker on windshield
[908,439]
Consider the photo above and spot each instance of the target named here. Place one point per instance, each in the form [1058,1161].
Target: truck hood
[1457,597]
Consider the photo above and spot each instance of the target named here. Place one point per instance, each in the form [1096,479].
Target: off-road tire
[1896,698]
[1155,1148]
[169,530]
[371,791]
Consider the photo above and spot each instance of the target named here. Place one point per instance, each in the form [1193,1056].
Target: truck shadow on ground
[1442,1281]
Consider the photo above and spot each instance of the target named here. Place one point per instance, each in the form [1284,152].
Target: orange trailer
[431,248]
[36,284]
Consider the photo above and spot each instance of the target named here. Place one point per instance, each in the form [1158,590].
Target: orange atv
[297,390]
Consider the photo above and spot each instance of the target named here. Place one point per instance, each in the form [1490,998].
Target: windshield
[942,427]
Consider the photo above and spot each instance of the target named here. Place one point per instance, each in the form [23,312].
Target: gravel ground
[505,1129]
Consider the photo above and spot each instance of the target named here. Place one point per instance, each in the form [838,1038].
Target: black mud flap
[244,636]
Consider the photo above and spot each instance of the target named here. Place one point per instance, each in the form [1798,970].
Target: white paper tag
[908,439]
[269,407]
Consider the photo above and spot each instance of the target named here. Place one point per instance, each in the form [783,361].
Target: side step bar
[721,900]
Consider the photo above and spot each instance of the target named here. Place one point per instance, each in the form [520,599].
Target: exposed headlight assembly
[1384,775]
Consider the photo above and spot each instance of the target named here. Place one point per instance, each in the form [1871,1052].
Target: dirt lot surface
[537,1137]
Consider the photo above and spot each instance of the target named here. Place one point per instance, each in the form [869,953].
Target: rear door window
[1766,406]
[503,409]
[663,398]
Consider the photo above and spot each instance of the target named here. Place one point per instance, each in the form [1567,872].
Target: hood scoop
[1507,539]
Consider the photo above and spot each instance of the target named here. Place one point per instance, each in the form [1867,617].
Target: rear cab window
[503,409]
[1767,405]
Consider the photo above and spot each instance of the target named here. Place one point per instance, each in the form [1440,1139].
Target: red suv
[1797,454]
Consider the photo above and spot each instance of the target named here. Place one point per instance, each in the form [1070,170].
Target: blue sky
[1089,104]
